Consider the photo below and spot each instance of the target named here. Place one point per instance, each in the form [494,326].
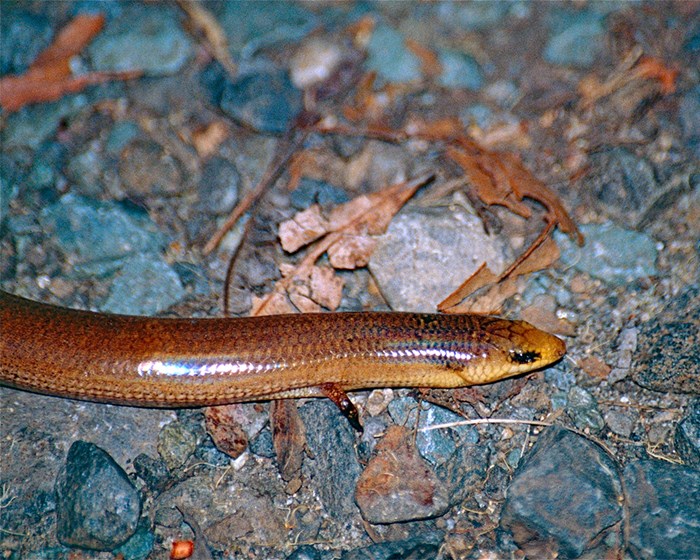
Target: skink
[156,362]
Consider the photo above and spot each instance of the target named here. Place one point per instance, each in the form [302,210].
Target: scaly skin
[154,362]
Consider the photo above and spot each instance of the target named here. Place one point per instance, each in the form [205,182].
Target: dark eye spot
[520,357]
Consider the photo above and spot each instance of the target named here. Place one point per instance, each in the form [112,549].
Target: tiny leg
[343,402]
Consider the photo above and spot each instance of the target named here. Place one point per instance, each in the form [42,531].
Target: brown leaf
[288,438]
[49,77]
[351,251]
[326,287]
[306,226]
[430,65]
[225,430]
[595,367]
[203,21]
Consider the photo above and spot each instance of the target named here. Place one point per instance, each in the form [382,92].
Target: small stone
[97,505]
[311,191]
[145,285]
[603,258]
[472,16]
[620,423]
[142,38]
[97,236]
[218,187]
[563,497]
[175,445]
[398,485]
[334,468]
[23,35]
[424,546]
[389,57]
[583,409]
[668,352]
[459,70]
[687,436]
[146,169]
[432,239]
[314,62]
[265,101]
[664,508]
[578,41]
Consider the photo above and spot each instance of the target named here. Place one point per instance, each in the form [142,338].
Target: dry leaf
[595,367]
[226,432]
[430,65]
[306,226]
[351,251]
[288,438]
[50,77]
[326,287]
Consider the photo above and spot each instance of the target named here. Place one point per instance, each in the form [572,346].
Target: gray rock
[176,443]
[664,509]
[422,547]
[265,101]
[23,35]
[459,70]
[577,42]
[583,409]
[448,246]
[334,468]
[564,496]
[613,254]
[668,348]
[145,285]
[389,56]
[97,236]
[147,38]
[97,505]
[687,436]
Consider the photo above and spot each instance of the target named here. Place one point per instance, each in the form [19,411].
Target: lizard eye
[524,357]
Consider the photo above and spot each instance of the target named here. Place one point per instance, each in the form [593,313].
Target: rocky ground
[111,193]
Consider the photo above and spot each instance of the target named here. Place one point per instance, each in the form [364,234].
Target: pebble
[265,101]
[120,136]
[147,38]
[22,37]
[465,472]
[664,509]
[602,258]
[584,411]
[152,471]
[176,443]
[472,16]
[447,245]
[398,484]
[687,435]
[218,188]
[578,39]
[459,70]
[620,422]
[624,186]
[425,546]
[145,285]
[98,236]
[147,170]
[334,468]
[563,497]
[311,191]
[139,546]
[388,55]
[314,62]
[437,446]
[97,505]
[668,351]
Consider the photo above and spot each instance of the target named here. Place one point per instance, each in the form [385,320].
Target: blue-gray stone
[613,254]
[583,410]
[335,468]
[459,70]
[147,38]
[23,35]
[578,42]
[146,285]
[251,26]
[311,191]
[436,446]
[97,236]
[265,101]
[139,546]
[119,137]
[389,57]
[97,506]
[473,16]
[480,115]
[32,125]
